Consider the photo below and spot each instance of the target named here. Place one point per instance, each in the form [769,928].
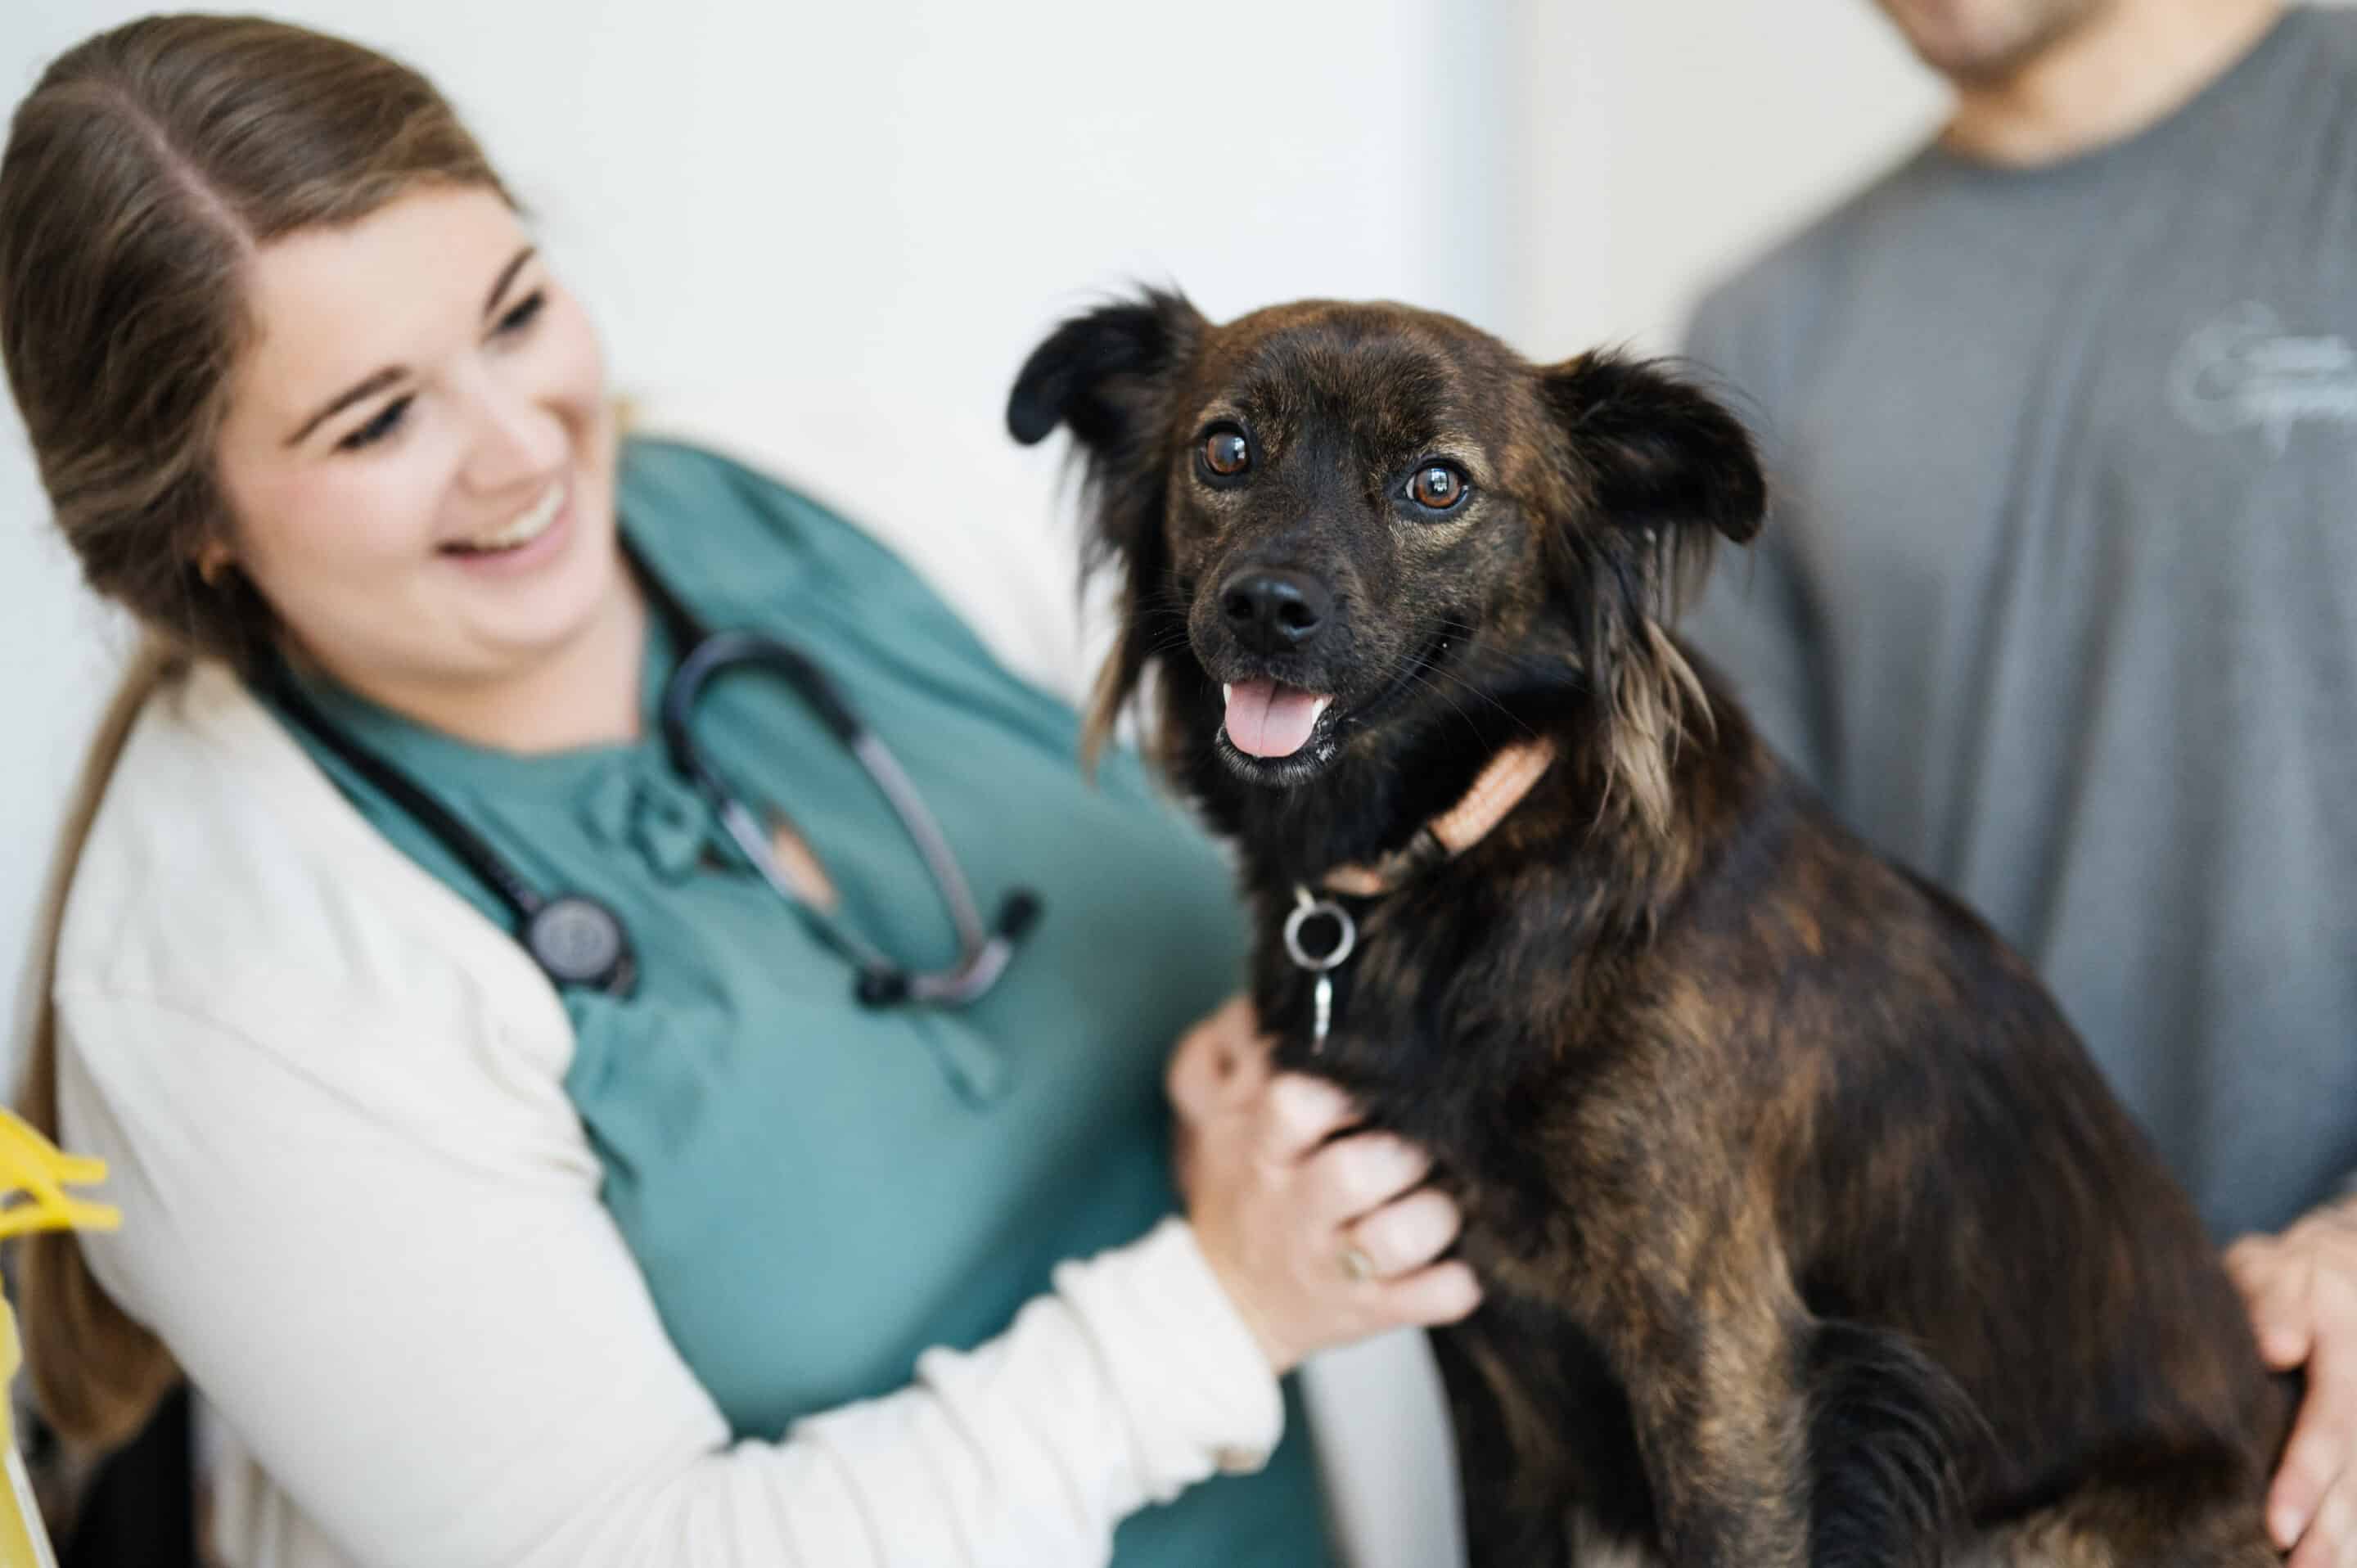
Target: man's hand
[2301,1288]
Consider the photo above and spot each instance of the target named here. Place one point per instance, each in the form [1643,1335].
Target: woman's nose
[516,437]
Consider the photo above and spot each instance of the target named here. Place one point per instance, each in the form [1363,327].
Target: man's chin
[1976,43]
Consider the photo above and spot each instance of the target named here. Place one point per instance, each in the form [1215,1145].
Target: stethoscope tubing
[580,942]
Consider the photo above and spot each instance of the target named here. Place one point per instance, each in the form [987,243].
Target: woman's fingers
[1402,1237]
[1445,1292]
[1299,1113]
[1357,1174]
[1320,1231]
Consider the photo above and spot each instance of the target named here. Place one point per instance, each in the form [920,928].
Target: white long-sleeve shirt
[361,1211]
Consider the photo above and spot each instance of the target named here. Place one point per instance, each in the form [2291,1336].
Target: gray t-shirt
[2058,603]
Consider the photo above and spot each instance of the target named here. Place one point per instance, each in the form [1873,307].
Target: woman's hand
[2301,1288]
[1319,1242]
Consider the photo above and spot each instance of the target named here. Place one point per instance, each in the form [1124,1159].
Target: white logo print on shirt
[2243,372]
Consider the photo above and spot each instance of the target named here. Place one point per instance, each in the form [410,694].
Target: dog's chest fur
[1480,1015]
[1477,1015]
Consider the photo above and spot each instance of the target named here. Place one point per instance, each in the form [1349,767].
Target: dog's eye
[1226,453]
[1439,486]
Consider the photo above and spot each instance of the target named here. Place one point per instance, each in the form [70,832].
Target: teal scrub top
[817,1191]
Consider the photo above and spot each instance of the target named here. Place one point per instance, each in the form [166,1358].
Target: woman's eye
[388,419]
[522,316]
[1226,453]
[1439,486]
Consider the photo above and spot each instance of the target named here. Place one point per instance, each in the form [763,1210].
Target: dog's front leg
[1697,1317]
[1721,1422]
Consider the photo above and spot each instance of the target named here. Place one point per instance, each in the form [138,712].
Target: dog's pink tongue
[1265,719]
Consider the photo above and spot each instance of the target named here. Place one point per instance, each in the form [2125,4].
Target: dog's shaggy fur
[1809,1231]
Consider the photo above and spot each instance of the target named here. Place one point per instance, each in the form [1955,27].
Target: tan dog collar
[1499,789]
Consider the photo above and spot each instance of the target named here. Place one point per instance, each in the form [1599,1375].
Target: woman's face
[418,453]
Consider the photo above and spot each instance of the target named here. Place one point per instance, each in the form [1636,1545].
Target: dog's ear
[1106,377]
[1088,373]
[1654,452]
[1664,470]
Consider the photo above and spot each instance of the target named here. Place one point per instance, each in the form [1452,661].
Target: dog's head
[1346,526]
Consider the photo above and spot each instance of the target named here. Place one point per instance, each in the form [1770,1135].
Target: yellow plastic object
[34,1175]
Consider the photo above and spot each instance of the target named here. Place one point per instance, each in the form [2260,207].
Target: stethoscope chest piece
[580,941]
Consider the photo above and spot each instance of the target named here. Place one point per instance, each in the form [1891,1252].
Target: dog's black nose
[1274,611]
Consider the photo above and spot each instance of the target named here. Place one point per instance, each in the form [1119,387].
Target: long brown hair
[147,166]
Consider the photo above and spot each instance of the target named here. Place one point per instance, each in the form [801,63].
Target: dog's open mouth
[1272,728]
[1270,720]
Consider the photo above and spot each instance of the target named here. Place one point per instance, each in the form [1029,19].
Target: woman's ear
[1106,377]
[1651,452]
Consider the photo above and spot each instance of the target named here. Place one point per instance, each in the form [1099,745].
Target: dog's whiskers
[1471,637]
[1417,678]
[1424,677]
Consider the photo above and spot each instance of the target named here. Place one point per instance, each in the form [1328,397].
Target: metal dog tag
[1306,908]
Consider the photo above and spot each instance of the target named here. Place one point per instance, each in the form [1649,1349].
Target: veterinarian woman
[519,1171]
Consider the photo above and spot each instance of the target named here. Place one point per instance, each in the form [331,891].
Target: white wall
[1654,146]
[827,236]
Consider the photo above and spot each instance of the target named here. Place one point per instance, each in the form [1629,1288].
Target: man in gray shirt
[2059,599]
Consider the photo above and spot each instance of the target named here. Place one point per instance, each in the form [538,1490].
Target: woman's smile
[529,540]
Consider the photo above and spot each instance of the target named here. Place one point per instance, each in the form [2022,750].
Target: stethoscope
[578,940]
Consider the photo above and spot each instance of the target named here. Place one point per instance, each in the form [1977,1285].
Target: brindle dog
[1810,1233]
